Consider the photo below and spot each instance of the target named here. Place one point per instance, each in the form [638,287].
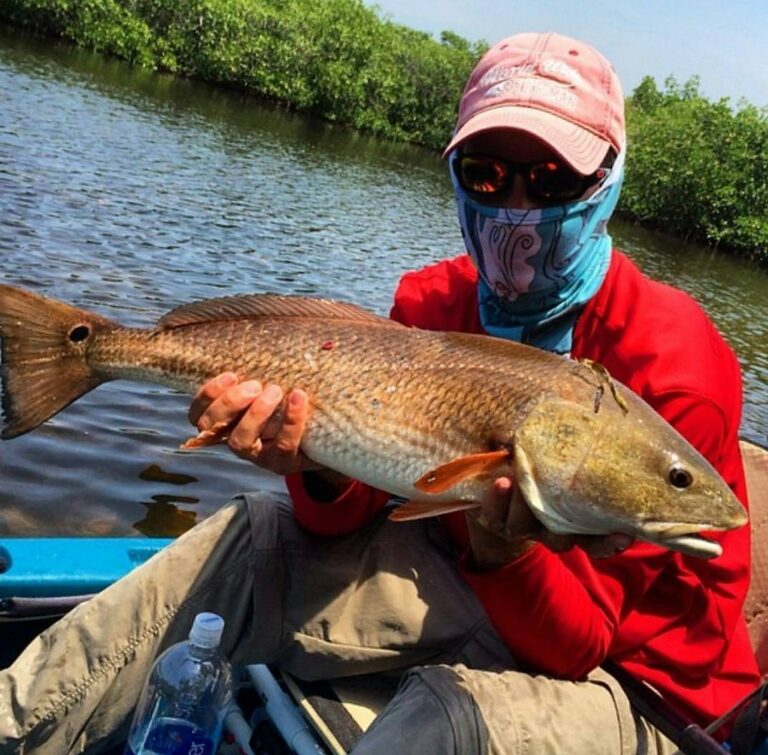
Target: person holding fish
[501,612]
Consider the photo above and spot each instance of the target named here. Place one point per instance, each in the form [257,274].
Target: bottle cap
[206,630]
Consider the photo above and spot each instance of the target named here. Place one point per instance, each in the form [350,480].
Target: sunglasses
[549,180]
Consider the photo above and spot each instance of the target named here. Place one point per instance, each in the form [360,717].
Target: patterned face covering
[537,268]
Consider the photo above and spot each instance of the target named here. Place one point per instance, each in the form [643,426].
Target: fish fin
[254,306]
[217,434]
[425,509]
[44,367]
[447,475]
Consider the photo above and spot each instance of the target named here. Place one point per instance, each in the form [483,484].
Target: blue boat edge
[52,567]
[41,567]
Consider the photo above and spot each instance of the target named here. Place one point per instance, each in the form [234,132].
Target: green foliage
[335,58]
[697,168]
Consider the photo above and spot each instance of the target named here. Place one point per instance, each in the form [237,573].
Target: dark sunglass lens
[483,175]
[553,180]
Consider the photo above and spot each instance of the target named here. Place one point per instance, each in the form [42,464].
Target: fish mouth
[683,537]
[674,529]
[693,545]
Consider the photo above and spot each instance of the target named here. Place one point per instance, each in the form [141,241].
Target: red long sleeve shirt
[672,620]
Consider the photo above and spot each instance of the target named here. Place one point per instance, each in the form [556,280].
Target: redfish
[432,417]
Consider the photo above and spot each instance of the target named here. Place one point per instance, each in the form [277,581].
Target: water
[129,192]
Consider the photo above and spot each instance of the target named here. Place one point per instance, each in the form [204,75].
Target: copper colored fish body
[433,417]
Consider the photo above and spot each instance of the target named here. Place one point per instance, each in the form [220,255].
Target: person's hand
[265,426]
[504,528]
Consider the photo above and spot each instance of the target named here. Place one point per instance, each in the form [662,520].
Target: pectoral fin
[446,476]
[425,509]
[217,434]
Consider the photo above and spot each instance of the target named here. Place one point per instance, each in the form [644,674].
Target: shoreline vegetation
[696,169]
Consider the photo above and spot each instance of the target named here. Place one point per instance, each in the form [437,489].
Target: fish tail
[43,345]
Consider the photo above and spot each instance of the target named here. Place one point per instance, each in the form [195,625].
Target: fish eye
[679,477]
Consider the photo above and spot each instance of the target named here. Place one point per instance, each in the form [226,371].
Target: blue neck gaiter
[537,268]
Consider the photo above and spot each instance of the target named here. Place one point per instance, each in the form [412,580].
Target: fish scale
[430,416]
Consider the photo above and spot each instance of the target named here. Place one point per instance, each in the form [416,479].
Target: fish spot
[328,345]
[79,333]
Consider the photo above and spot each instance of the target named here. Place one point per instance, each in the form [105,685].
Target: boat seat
[756,606]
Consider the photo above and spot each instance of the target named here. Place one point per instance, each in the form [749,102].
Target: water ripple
[130,192]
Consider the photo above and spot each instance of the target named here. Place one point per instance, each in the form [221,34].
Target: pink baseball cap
[555,88]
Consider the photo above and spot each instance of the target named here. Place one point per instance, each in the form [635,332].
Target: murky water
[130,192]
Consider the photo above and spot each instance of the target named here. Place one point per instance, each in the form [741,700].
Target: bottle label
[176,737]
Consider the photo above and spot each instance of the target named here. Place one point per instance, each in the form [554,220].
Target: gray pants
[386,598]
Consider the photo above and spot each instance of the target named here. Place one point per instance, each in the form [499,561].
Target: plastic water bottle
[182,707]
